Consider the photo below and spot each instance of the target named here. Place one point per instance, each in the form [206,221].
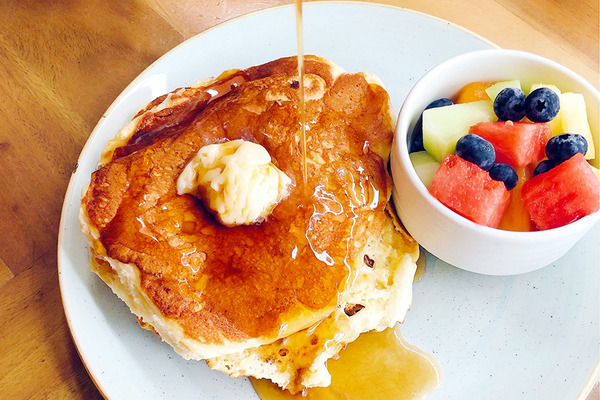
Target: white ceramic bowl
[442,232]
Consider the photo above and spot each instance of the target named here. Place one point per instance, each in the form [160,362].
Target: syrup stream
[401,371]
[300,43]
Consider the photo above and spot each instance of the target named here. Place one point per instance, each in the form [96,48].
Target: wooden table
[63,62]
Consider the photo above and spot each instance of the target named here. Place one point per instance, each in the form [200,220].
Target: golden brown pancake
[210,290]
[378,298]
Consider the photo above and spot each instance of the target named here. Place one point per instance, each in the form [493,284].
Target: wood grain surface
[61,65]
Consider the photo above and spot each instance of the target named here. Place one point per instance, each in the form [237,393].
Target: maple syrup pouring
[378,365]
[300,42]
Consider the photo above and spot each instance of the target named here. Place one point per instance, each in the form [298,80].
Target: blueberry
[509,105]
[543,166]
[477,150]
[542,105]
[504,173]
[439,103]
[562,147]
[416,139]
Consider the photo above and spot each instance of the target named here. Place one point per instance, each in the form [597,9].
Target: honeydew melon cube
[540,85]
[554,123]
[496,88]
[573,119]
[443,126]
[425,166]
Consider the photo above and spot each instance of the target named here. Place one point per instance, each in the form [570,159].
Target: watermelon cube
[562,195]
[516,143]
[469,191]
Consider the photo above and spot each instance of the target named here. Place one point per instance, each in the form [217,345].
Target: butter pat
[236,180]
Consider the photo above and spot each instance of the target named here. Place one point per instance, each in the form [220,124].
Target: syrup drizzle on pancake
[141,220]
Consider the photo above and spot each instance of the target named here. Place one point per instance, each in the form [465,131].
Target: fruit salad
[508,159]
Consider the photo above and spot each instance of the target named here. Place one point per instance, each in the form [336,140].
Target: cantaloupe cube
[473,91]
[516,217]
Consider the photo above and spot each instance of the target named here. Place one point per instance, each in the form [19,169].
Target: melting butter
[236,180]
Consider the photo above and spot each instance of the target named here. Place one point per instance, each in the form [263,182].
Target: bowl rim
[404,122]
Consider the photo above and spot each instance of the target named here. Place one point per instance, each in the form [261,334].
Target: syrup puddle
[421,265]
[377,366]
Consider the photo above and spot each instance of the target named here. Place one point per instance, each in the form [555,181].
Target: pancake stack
[276,298]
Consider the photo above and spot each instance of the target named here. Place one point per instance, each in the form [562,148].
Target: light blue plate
[534,336]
